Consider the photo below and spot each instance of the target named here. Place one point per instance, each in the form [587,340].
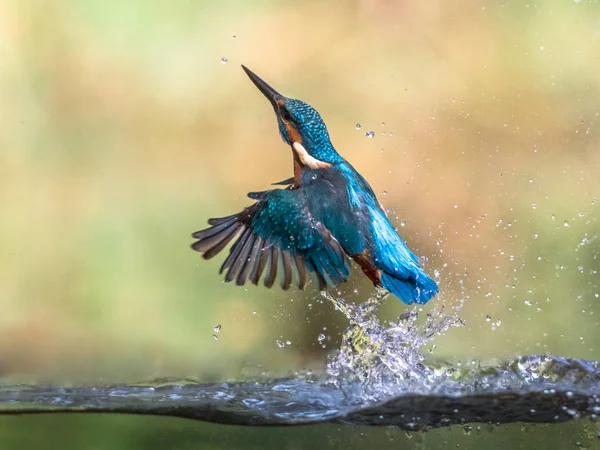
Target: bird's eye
[285,115]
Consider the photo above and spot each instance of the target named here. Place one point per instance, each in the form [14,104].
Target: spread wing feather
[276,236]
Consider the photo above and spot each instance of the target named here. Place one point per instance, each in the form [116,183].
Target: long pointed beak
[271,94]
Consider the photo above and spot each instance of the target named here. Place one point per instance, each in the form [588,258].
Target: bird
[317,222]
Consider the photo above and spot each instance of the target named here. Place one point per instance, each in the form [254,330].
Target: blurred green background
[124,130]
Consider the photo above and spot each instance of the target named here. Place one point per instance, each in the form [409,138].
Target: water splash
[541,389]
[377,377]
[385,358]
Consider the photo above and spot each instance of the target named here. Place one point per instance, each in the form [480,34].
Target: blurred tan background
[123,131]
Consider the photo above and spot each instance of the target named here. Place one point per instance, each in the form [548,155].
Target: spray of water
[377,377]
[385,357]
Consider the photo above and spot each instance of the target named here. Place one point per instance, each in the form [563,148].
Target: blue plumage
[312,130]
[327,214]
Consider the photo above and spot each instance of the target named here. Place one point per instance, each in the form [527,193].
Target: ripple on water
[377,377]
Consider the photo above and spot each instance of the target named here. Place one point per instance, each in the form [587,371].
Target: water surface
[377,377]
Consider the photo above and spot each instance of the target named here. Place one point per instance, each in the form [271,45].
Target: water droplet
[533,206]
[488,318]
[566,223]
[370,134]
[383,124]
[217,328]
[321,337]
[234,36]
[215,337]
[384,192]
[527,302]
[279,343]
[358,126]
[224,60]
[403,223]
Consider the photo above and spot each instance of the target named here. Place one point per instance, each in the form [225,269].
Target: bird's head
[300,126]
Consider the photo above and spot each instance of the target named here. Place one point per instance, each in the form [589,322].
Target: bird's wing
[277,233]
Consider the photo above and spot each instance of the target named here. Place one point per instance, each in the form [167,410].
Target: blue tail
[410,291]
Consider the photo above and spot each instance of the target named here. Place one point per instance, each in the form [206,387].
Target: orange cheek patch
[293,133]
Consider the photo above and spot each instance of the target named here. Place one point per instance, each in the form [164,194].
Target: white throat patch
[308,160]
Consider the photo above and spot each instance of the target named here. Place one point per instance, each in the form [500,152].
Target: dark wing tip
[234,252]
[286,182]
[301,271]
[257,195]
[261,263]
[214,239]
[286,263]
[273,262]
[218,220]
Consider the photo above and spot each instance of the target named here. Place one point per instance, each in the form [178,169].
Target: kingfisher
[319,220]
